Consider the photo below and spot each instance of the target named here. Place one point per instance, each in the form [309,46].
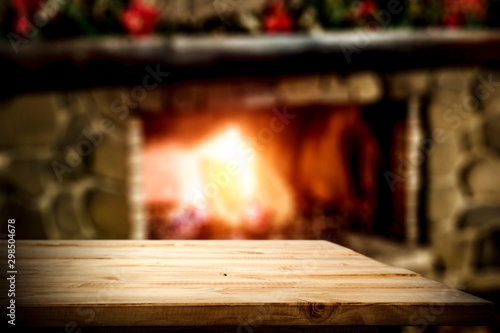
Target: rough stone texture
[455,79]
[487,89]
[466,140]
[484,181]
[109,213]
[62,171]
[357,88]
[450,113]
[480,216]
[447,247]
[65,216]
[487,250]
[73,131]
[463,189]
[364,87]
[407,83]
[104,97]
[300,90]
[333,89]
[218,95]
[491,133]
[28,176]
[230,95]
[492,105]
[37,129]
[28,120]
[108,158]
[444,156]
[441,203]
[5,163]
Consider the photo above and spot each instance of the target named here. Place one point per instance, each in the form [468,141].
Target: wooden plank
[189,283]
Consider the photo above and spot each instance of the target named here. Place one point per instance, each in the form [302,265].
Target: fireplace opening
[312,171]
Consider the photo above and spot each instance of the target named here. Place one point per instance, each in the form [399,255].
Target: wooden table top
[190,283]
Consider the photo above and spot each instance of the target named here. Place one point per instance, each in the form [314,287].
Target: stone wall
[62,172]
[459,169]
[463,193]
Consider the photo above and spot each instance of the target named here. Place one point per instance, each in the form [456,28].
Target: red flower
[22,26]
[24,9]
[276,19]
[365,9]
[457,12]
[24,6]
[139,19]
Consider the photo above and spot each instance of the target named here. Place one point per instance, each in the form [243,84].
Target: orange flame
[222,177]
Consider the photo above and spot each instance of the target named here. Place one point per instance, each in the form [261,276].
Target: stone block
[27,176]
[65,167]
[487,250]
[300,90]
[487,86]
[109,157]
[436,112]
[120,103]
[441,203]
[492,105]
[65,216]
[483,179]
[5,162]
[364,87]
[109,214]
[112,104]
[479,216]
[492,133]
[452,113]
[455,79]
[443,156]
[357,88]
[333,89]
[73,131]
[404,84]
[29,120]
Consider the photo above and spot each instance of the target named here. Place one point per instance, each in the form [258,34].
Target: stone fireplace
[397,163]
[260,158]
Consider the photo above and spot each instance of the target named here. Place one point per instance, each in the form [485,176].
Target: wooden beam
[80,63]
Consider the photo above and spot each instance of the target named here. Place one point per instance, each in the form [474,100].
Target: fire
[221,181]
[228,174]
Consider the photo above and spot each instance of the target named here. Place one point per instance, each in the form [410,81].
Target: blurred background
[372,124]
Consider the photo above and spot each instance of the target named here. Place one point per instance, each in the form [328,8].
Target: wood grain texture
[189,283]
